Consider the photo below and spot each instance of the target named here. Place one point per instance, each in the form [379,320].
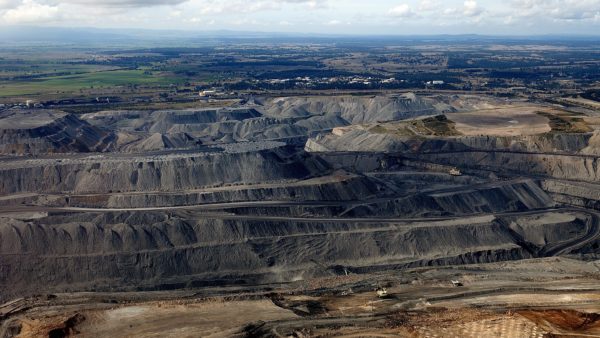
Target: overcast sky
[503,17]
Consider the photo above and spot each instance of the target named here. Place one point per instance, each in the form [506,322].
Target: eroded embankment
[43,131]
[503,196]
[570,167]
[150,250]
[154,173]
[360,139]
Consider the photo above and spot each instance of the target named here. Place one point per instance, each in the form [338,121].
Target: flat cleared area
[494,300]
[502,121]
[535,299]
[218,319]
[583,102]
[28,120]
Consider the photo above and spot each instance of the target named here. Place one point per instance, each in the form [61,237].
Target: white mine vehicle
[455,172]
[382,293]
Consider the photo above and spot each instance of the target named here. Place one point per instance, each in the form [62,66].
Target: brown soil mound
[565,321]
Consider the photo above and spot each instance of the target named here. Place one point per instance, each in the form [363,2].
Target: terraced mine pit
[283,216]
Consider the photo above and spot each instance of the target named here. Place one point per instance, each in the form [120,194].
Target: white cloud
[568,10]
[428,5]
[375,16]
[401,11]
[471,8]
[450,12]
[249,6]
[125,3]
[314,4]
[4,4]
[31,12]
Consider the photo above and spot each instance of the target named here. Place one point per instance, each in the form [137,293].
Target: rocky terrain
[300,206]
[37,132]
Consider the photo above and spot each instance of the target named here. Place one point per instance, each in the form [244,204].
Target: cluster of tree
[592,94]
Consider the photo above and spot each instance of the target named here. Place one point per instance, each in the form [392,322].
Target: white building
[435,83]
[206,93]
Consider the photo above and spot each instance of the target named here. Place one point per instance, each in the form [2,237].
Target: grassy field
[10,69]
[74,83]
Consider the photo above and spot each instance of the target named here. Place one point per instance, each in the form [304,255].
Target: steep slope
[352,109]
[154,250]
[103,174]
[47,131]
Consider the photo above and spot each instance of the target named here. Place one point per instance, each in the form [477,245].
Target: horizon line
[130,30]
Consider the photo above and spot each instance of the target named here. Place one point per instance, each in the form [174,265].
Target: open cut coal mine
[291,204]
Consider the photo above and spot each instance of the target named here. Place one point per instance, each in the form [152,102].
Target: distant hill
[28,35]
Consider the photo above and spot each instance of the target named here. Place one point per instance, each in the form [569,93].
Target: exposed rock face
[349,188]
[40,132]
[166,121]
[353,109]
[145,131]
[196,170]
[357,140]
[158,141]
[557,155]
[541,230]
[137,250]
[490,198]
[292,119]
[285,189]
[360,139]
[581,168]
[180,121]
[580,194]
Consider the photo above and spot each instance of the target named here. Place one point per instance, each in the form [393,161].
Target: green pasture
[73,83]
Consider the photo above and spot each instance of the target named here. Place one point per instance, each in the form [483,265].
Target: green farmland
[77,82]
